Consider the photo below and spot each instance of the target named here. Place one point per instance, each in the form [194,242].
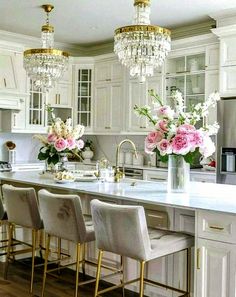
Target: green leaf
[42,156]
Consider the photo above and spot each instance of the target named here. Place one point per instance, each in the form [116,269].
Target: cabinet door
[212,57]
[184,222]
[137,96]
[64,94]
[205,178]
[228,81]
[117,71]
[114,108]
[228,51]
[7,72]
[101,108]
[211,85]
[215,269]
[102,72]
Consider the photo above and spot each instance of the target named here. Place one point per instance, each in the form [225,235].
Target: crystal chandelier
[45,65]
[142,47]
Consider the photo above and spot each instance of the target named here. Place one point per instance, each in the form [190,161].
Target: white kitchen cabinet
[109,71]
[211,85]
[184,221]
[155,175]
[108,106]
[83,96]
[212,59]
[138,95]
[203,177]
[60,95]
[228,51]
[8,79]
[215,269]
[228,81]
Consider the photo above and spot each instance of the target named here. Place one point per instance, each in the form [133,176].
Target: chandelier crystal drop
[142,47]
[46,65]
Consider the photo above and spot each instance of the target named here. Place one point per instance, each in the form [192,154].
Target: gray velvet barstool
[62,216]
[22,209]
[123,230]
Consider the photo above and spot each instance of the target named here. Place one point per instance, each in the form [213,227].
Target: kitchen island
[207,210]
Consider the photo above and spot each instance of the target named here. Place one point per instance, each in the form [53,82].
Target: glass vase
[62,164]
[178,174]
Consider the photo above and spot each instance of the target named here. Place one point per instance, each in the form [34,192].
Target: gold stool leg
[9,246]
[45,263]
[34,239]
[78,248]
[98,272]
[141,285]
[83,258]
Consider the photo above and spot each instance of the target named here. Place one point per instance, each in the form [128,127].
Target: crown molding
[87,50]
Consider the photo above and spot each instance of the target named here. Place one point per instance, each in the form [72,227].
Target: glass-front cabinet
[187,75]
[36,113]
[83,96]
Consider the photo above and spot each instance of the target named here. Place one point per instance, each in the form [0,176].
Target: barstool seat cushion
[164,242]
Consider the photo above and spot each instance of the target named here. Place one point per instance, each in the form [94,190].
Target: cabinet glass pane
[174,83]
[193,100]
[195,84]
[84,97]
[196,62]
[36,107]
[176,65]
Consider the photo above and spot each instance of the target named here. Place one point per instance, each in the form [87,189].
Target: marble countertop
[206,196]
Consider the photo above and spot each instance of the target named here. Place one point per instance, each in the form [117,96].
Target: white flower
[212,129]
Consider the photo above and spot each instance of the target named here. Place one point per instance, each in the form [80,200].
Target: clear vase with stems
[178,174]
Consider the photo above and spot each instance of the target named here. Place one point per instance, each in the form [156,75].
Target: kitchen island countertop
[205,196]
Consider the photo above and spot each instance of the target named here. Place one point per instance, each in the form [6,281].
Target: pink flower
[151,140]
[185,129]
[181,144]
[71,143]
[196,139]
[51,137]
[80,144]
[60,144]
[165,112]
[164,147]
[162,125]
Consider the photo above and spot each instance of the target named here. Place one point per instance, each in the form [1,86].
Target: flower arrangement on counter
[175,129]
[61,140]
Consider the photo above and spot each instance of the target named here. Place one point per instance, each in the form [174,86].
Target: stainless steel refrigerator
[226,141]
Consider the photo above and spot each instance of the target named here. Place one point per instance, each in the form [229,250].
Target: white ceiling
[94,21]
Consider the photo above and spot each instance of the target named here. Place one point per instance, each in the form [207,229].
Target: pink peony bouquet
[62,139]
[175,130]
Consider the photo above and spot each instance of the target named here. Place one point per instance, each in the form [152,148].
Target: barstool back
[22,206]
[62,215]
[121,229]
[2,211]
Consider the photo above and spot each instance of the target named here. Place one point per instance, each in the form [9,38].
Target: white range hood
[10,100]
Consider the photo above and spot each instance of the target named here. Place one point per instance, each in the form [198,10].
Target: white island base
[208,211]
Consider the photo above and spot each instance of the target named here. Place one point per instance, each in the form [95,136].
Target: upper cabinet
[187,75]
[228,51]
[109,96]
[8,78]
[108,71]
[61,94]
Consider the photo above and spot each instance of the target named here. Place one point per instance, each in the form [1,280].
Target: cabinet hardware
[107,127]
[216,228]
[5,82]
[56,98]
[108,79]
[59,98]
[14,120]
[198,258]
[142,127]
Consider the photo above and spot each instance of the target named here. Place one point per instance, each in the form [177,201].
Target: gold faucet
[118,175]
